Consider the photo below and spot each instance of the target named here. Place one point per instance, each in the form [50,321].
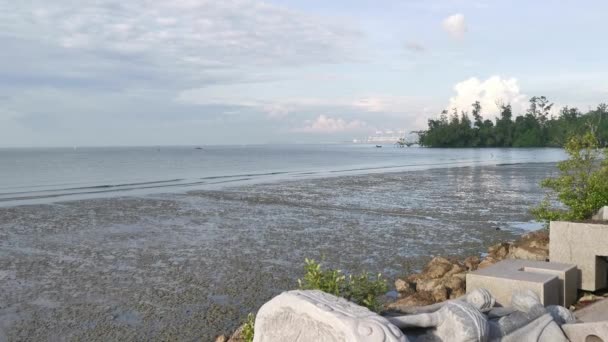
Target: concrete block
[602,214]
[318,316]
[586,332]
[553,283]
[596,312]
[585,245]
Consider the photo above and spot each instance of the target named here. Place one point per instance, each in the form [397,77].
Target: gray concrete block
[602,214]
[585,245]
[554,283]
[596,312]
[586,332]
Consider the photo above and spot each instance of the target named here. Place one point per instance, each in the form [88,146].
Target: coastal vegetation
[582,183]
[537,127]
[248,328]
[363,289]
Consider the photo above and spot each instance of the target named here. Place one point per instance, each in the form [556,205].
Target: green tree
[582,184]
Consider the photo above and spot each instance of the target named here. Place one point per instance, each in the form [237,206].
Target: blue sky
[195,72]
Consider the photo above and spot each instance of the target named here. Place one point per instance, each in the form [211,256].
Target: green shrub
[248,328]
[582,183]
[362,289]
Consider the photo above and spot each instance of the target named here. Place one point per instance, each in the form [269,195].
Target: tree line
[536,128]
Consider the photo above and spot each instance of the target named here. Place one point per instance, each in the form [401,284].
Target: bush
[582,184]
[362,289]
[248,328]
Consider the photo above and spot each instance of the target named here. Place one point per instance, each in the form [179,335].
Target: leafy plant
[582,184]
[248,329]
[363,289]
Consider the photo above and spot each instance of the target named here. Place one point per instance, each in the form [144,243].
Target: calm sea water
[173,264]
[44,175]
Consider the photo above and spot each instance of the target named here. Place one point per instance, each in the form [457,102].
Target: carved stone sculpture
[481,299]
[542,329]
[454,321]
[318,316]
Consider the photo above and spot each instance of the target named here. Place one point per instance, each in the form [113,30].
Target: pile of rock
[444,279]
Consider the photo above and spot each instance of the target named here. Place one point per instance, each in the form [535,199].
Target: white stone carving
[456,321]
[318,316]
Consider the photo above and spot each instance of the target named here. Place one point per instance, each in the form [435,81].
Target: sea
[181,243]
[44,175]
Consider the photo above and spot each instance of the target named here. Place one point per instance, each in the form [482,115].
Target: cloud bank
[487,92]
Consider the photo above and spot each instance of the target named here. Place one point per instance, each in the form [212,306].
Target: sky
[198,72]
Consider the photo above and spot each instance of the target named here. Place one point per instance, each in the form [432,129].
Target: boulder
[457,286]
[404,287]
[488,261]
[471,263]
[237,336]
[440,293]
[421,298]
[437,268]
[428,284]
[499,251]
[529,253]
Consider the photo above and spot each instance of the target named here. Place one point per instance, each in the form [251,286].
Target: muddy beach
[190,266]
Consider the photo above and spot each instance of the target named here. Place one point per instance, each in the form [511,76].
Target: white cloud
[325,124]
[455,26]
[228,31]
[487,92]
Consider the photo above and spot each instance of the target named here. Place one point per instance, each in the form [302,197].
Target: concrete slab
[586,332]
[596,312]
[602,214]
[554,283]
[585,245]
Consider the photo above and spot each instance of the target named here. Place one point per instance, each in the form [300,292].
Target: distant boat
[198,148]
[378,146]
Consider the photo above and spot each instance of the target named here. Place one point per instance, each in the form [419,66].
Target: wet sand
[189,266]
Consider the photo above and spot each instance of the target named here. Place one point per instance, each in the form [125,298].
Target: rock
[440,293]
[221,338]
[457,286]
[318,316]
[437,268]
[421,298]
[499,251]
[488,261]
[404,288]
[471,263]
[427,284]
[237,336]
[456,269]
[528,253]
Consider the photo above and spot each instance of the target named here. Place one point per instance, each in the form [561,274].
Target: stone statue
[527,320]
[455,320]
[318,316]
[481,299]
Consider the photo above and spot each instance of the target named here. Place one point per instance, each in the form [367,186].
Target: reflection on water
[30,176]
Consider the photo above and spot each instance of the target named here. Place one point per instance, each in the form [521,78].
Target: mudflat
[189,266]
